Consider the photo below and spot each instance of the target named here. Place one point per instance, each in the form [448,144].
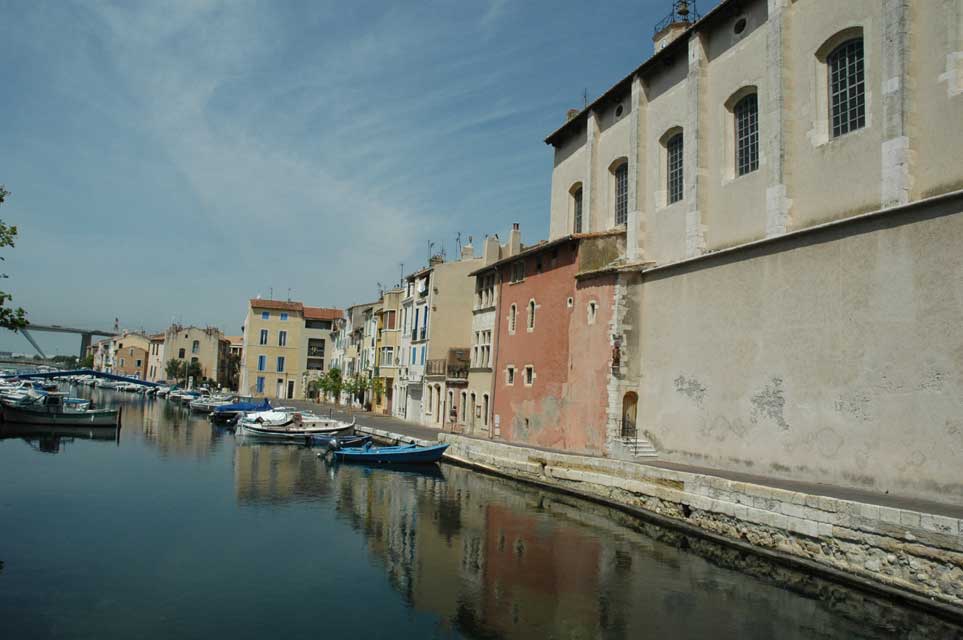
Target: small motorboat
[57,409]
[333,441]
[290,426]
[207,404]
[404,454]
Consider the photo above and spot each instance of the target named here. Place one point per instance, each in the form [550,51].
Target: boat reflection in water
[51,439]
[495,559]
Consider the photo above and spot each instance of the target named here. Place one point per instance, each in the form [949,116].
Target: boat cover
[264,405]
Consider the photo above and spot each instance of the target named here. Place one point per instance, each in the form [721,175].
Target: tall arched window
[531,314]
[746,114]
[512,314]
[674,177]
[485,409]
[622,193]
[577,208]
[847,87]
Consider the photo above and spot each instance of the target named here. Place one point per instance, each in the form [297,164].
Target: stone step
[640,448]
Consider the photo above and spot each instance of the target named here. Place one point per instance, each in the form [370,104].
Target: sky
[170,160]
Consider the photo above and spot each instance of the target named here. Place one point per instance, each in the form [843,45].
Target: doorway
[630,404]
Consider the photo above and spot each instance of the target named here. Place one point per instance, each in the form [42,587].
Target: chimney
[467,251]
[435,259]
[492,253]
[514,240]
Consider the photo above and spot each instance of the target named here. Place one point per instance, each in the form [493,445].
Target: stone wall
[903,551]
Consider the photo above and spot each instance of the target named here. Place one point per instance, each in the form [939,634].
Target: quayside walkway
[405,431]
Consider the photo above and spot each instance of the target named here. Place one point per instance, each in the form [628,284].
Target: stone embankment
[907,554]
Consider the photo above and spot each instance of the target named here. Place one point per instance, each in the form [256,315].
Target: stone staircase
[640,447]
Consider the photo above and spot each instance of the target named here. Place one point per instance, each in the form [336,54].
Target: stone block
[869,511]
[828,504]
[740,512]
[909,518]
[780,521]
[757,516]
[889,515]
[793,510]
[798,498]
[825,530]
[940,524]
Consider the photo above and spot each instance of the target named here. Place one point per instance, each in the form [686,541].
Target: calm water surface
[177,530]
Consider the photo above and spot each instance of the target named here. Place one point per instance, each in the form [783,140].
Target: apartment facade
[284,347]
[204,345]
[785,175]
[156,364]
[436,338]
[130,355]
[387,346]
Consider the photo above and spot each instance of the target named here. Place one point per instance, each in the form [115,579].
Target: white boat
[104,383]
[289,426]
[207,404]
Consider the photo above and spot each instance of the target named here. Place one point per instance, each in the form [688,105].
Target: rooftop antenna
[402,265]
[458,243]
[289,294]
[430,245]
[585,98]
[271,295]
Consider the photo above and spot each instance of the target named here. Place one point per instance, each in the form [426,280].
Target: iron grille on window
[847,89]
[577,202]
[622,194]
[674,182]
[746,114]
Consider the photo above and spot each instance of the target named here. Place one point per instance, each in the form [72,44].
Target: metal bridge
[85,335]
[80,372]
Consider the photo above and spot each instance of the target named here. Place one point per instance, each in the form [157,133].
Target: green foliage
[13,319]
[332,384]
[87,362]
[378,388]
[174,369]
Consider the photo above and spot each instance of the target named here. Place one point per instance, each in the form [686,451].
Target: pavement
[411,431]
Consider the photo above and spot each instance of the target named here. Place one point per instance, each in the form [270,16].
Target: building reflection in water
[498,560]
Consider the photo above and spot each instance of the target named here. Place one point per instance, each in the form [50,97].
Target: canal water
[175,529]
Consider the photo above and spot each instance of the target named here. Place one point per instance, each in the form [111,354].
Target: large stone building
[284,347]
[130,355]
[787,177]
[156,364]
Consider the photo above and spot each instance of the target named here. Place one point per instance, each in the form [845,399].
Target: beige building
[788,177]
[156,365]
[284,347]
[206,346]
[387,347]
[436,321]
[475,402]
[130,355]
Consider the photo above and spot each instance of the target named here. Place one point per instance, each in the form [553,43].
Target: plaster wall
[450,299]
[294,352]
[613,146]
[836,356]
[831,178]
[569,169]
[735,209]
[936,111]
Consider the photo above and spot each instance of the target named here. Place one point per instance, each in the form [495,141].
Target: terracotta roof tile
[258,303]
[320,313]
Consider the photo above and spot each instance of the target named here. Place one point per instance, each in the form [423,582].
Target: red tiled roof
[235,339]
[258,303]
[157,337]
[321,313]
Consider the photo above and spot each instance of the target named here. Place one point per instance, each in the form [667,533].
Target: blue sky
[173,159]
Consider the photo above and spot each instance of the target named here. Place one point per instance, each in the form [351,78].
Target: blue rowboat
[407,454]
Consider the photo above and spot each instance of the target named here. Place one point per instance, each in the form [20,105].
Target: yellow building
[284,346]
[205,346]
[387,349]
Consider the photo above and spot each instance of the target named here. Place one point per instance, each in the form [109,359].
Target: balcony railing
[315,352]
[441,367]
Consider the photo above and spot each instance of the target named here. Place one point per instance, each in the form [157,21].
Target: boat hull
[393,455]
[282,434]
[40,415]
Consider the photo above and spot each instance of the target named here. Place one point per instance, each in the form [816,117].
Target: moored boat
[229,414]
[333,441]
[406,454]
[284,426]
[57,409]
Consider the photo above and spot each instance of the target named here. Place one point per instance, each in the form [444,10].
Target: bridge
[85,335]
[79,372]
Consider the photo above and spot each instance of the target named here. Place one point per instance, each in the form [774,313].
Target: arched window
[471,410]
[621,173]
[630,403]
[464,401]
[512,314]
[531,314]
[746,116]
[673,173]
[485,409]
[847,87]
[576,193]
